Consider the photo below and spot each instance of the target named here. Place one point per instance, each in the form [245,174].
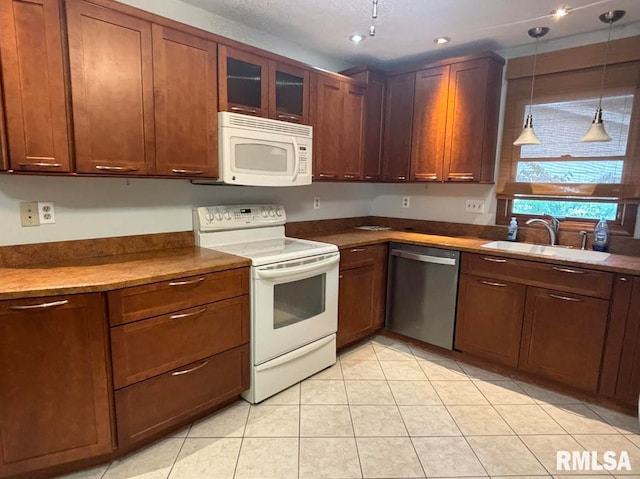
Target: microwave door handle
[296,159]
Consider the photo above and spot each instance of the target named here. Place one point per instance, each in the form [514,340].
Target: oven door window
[298,300]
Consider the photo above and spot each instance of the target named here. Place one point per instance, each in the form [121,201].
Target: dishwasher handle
[423,258]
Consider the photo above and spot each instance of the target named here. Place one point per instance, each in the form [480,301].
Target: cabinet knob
[623,279]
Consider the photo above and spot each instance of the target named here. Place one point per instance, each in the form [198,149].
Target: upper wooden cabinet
[34,83]
[441,123]
[398,121]
[54,387]
[338,121]
[111,60]
[186,113]
[254,85]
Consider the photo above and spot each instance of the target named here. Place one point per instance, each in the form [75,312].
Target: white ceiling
[405,29]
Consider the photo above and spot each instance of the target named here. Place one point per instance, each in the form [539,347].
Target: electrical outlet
[46,213]
[406,201]
[316,203]
[475,206]
[29,214]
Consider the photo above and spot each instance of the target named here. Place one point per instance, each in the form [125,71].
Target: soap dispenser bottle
[601,236]
[512,232]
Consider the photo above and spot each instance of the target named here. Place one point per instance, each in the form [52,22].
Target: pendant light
[596,132]
[528,136]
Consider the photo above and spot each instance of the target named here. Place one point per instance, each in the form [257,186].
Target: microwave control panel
[304,160]
[229,217]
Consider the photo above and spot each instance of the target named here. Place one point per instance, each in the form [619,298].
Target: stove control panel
[233,217]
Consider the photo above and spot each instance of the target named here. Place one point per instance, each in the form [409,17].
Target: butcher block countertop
[352,238]
[112,271]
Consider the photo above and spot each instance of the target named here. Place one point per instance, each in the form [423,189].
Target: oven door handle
[284,272]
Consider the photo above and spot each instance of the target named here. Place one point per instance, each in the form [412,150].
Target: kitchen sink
[545,250]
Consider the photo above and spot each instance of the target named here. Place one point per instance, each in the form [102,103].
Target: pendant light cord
[606,60]
[533,76]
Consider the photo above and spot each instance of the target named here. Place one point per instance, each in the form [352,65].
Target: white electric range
[294,293]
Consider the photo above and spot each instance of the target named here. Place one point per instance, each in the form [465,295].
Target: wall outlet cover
[316,203]
[29,214]
[474,206]
[46,213]
[406,201]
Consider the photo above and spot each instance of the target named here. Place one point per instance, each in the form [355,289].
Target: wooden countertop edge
[94,275]
[349,239]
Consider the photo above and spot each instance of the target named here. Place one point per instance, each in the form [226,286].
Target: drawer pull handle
[565,298]
[357,250]
[401,177]
[187,315]
[568,270]
[116,168]
[369,177]
[288,117]
[325,175]
[42,164]
[244,110]
[461,177]
[494,260]
[185,283]
[623,279]
[190,370]
[40,306]
[186,172]
[349,176]
[491,283]
[431,177]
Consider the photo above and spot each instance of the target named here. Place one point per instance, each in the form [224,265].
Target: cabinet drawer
[150,407]
[154,346]
[556,276]
[359,255]
[139,302]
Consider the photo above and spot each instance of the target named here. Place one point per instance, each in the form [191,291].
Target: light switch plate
[475,206]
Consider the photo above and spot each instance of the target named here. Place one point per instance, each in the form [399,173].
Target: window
[563,177]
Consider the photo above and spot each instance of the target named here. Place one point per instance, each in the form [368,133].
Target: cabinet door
[628,384]
[374,102]
[33,77]
[398,124]
[53,382]
[352,131]
[288,93]
[489,318]
[472,116]
[4,157]
[186,104]
[328,128]
[563,337]
[429,124]
[355,303]
[242,82]
[112,90]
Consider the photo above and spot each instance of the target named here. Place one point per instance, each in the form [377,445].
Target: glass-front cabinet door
[243,82]
[288,93]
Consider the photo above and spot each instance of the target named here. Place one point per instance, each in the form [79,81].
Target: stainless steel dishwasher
[421,293]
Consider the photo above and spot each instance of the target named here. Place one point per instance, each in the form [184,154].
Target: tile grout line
[244,430]
[355,439]
[299,424]
[184,440]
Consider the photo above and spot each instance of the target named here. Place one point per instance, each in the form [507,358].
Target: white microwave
[257,151]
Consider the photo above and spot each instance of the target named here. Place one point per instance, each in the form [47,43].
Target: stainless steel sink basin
[544,250]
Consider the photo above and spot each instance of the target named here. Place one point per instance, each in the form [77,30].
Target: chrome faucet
[552,227]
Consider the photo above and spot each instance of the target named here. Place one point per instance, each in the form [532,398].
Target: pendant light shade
[528,135]
[596,132]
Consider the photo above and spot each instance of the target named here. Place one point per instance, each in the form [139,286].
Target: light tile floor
[387,410]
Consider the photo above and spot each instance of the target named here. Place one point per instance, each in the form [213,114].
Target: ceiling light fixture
[356,38]
[596,132]
[560,12]
[374,15]
[441,40]
[528,135]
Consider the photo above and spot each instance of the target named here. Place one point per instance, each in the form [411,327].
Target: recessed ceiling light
[356,38]
[560,12]
[441,40]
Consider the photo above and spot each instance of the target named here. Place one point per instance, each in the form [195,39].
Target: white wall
[104,207]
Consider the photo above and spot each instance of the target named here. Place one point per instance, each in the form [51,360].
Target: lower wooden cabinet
[563,337]
[148,408]
[489,320]
[55,404]
[361,298]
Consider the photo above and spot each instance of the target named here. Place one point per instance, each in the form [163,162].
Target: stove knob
[279,212]
[227,215]
[208,217]
[264,213]
[272,213]
[218,215]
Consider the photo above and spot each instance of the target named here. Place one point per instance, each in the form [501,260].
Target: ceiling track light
[374,15]
[528,135]
[563,11]
[596,132]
